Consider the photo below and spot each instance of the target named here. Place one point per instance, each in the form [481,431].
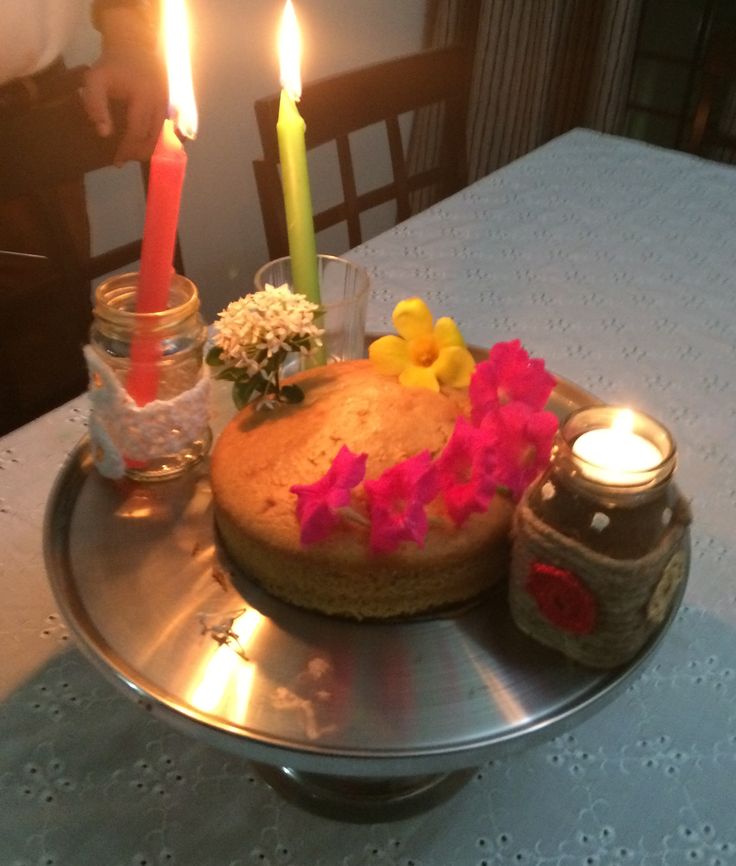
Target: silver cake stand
[358,721]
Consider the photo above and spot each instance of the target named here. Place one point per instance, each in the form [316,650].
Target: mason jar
[600,549]
[148,384]
[619,513]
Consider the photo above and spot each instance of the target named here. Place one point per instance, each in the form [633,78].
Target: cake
[262,454]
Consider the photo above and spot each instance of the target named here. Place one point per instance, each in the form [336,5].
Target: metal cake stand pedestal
[358,721]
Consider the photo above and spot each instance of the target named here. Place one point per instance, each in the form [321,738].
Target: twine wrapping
[630,597]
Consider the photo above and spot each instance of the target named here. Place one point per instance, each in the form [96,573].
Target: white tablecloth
[616,262]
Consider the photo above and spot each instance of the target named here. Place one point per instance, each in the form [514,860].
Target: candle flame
[290,52]
[624,421]
[182,105]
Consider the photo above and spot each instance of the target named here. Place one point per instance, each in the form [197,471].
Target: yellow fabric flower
[423,355]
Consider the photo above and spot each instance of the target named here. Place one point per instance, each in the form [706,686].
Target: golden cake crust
[261,454]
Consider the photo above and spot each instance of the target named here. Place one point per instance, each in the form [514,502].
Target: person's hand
[128,70]
[135,77]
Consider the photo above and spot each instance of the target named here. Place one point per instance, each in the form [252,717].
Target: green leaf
[231,374]
[300,342]
[243,392]
[291,394]
[213,358]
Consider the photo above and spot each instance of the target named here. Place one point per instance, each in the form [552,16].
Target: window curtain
[720,61]
[539,68]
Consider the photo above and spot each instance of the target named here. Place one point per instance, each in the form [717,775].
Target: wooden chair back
[333,108]
[45,303]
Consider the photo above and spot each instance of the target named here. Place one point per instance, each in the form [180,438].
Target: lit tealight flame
[623,421]
[290,52]
[182,105]
[614,453]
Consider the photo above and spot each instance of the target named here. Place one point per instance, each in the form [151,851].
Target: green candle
[294,173]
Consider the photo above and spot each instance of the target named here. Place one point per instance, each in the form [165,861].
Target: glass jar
[148,384]
[621,514]
[600,547]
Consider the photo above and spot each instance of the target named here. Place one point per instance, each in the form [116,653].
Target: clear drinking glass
[344,288]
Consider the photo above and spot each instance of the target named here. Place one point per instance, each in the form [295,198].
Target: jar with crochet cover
[599,552]
[149,389]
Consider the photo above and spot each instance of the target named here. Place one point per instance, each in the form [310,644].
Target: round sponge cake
[261,454]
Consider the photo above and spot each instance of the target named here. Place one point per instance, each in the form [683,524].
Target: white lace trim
[118,426]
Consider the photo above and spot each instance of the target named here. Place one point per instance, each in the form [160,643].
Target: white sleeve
[34,33]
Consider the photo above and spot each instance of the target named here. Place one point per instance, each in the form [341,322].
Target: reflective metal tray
[139,577]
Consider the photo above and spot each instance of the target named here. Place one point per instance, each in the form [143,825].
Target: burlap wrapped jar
[598,557]
[595,609]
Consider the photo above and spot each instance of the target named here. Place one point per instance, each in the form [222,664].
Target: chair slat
[347,176]
[336,107]
[46,302]
[398,164]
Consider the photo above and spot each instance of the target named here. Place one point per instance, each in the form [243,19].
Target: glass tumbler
[344,289]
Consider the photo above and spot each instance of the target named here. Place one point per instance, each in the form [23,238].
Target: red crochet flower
[562,598]
[396,502]
[508,374]
[466,471]
[522,442]
[317,506]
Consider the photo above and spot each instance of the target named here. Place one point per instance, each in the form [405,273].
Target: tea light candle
[613,454]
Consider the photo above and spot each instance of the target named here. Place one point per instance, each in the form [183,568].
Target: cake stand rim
[275,750]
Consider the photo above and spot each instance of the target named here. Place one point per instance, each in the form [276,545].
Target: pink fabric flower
[318,503]
[522,442]
[396,502]
[466,471]
[509,375]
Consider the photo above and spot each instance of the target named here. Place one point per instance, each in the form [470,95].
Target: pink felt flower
[396,502]
[318,503]
[562,598]
[466,471]
[522,442]
[508,375]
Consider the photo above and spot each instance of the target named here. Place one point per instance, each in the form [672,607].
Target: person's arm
[130,69]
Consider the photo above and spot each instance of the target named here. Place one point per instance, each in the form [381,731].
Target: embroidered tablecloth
[616,262]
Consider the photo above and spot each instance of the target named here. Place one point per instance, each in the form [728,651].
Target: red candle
[166,178]
[168,166]
[165,182]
